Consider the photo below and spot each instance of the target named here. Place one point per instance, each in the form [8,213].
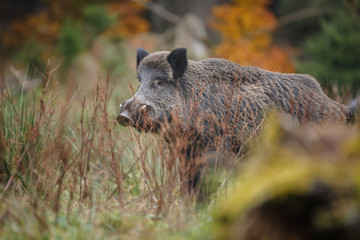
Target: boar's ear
[140,54]
[178,62]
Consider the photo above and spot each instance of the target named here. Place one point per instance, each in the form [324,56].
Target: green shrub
[97,18]
[70,42]
[332,56]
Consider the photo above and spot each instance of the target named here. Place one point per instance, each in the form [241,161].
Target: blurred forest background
[85,37]
[69,171]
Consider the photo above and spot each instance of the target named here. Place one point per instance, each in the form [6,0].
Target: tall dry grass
[67,170]
[64,157]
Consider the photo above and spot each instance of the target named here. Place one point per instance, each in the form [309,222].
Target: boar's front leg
[191,164]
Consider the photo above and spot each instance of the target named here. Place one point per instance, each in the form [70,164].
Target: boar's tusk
[143,108]
[120,105]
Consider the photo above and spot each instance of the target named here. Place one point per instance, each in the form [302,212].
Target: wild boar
[217,103]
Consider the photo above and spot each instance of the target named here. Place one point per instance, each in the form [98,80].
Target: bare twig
[303,14]
[160,11]
[286,20]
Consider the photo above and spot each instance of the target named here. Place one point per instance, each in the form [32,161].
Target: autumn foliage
[129,21]
[40,27]
[246,28]
[43,26]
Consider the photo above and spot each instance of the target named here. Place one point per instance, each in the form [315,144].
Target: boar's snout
[124,118]
[132,113]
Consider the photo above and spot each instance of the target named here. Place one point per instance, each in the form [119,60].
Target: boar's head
[158,97]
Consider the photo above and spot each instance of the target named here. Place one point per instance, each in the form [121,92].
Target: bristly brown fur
[216,100]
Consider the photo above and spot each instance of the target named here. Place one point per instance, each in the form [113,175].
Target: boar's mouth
[141,121]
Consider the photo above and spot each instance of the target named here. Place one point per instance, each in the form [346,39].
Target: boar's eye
[158,83]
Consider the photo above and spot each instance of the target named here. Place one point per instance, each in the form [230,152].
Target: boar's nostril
[124,118]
